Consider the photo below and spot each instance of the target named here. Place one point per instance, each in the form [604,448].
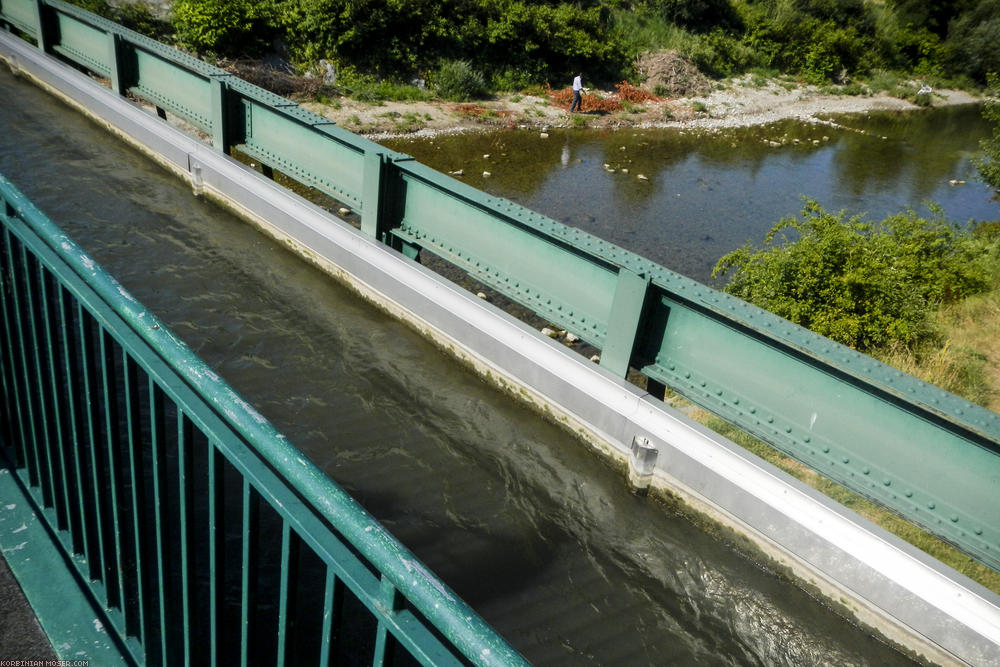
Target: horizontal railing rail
[930,456]
[202,533]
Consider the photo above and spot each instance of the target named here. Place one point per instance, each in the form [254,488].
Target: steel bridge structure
[79,442]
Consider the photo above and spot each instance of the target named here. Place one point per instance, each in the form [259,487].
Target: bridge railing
[201,532]
[926,454]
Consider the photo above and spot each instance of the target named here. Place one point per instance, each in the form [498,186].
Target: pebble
[487,174]
[343,210]
[481,295]
[596,358]
[544,135]
[551,333]
[642,177]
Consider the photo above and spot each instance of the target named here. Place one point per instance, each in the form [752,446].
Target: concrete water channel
[535,532]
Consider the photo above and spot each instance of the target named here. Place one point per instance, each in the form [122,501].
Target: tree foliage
[236,28]
[989,164]
[498,37]
[519,42]
[864,284]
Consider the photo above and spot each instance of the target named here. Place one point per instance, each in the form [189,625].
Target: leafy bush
[516,41]
[224,27]
[697,15]
[370,89]
[989,164]
[861,283]
[456,80]
[973,44]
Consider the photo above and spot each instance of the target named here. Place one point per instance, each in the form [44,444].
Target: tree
[224,27]
[989,164]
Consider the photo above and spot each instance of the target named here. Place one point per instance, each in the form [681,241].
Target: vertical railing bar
[289,572]
[134,444]
[331,616]
[88,372]
[251,507]
[385,643]
[42,448]
[34,464]
[158,462]
[8,408]
[12,365]
[57,445]
[216,542]
[73,452]
[117,568]
[184,500]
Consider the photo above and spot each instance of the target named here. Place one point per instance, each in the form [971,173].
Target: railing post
[119,83]
[40,21]
[373,194]
[220,110]
[627,310]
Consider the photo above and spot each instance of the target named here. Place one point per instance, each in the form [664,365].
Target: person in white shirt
[577,92]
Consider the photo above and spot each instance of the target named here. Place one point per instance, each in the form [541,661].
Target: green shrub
[456,80]
[372,90]
[697,15]
[224,27]
[973,44]
[861,283]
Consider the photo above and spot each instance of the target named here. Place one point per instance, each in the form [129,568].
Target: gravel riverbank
[737,103]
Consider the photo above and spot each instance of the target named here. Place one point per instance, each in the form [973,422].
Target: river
[540,536]
[706,193]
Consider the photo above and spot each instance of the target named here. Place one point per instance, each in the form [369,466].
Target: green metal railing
[202,534]
[926,454]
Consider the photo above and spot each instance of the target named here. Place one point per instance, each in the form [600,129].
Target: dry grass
[968,362]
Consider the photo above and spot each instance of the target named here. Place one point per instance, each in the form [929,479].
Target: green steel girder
[22,14]
[543,265]
[302,147]
[873,438]
[81,43]
[929,455]
[184,92]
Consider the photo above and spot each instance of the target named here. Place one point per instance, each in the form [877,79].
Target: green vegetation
[864,284]
[513,44]
[226,27]
[456,80]
[989,165]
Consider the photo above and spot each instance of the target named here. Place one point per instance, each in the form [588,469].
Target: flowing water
[543,539]
[707,193]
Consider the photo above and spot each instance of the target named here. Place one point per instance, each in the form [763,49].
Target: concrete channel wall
[926,608]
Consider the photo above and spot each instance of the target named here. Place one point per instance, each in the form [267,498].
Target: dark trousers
[576,101]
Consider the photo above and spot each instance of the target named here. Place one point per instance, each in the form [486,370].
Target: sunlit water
[539,536]
[709,193]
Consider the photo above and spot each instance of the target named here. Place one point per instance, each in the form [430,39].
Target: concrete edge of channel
[932,612]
